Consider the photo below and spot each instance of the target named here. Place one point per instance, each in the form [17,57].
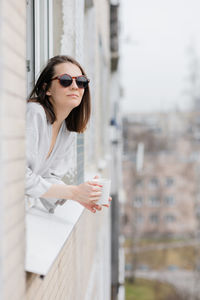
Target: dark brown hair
[79,116]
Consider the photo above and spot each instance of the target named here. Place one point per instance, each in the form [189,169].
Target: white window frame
[35,8]
[46,234]
[43,34]
[30,52]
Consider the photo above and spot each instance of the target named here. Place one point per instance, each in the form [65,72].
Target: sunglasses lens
[65,80]
[82,82]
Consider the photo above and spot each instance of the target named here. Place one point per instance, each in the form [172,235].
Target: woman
[58,107]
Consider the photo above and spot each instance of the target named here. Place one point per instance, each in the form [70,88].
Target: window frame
[42,33]
[30,47]
[40,225]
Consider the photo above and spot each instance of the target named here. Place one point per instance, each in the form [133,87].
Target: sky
[155,38]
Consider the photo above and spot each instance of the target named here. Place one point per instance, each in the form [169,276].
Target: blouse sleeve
[35,185]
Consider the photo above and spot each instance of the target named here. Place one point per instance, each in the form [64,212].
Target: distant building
[162,197]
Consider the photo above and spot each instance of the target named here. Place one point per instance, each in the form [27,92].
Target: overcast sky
[155,36]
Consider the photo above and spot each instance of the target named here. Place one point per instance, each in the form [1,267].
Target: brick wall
[79,262]
[12,152]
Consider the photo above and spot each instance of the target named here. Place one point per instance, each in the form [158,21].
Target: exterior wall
[82,270]
[12,148]
[169,153]
[97,62]
[77,272]
[182,191]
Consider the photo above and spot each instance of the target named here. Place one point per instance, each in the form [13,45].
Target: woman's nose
[74,84]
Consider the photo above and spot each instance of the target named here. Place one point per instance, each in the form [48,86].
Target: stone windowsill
[47,233]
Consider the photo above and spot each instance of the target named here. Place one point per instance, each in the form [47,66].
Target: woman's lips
[72,95]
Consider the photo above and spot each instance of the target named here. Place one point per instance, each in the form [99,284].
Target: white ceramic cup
[105,190]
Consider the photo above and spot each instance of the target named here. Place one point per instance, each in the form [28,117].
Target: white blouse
[42,172]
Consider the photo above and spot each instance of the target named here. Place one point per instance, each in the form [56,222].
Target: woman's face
[65,97]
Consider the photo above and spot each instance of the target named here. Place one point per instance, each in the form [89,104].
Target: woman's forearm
[87,194]
[61,191]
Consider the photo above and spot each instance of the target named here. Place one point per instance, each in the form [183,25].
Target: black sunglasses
[66,80]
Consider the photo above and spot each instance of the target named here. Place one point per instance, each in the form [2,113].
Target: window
[43,29]
[154,218]
[30,67]
[39,38]
[169,181]
[169,200]
[139,219]
[138,201]
[45,231]
[154,182]
[170,218]
[154,201]
[139,182]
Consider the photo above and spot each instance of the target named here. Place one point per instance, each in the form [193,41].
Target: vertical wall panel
[12,149]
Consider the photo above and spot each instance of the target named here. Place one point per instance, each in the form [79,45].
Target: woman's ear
[48,93]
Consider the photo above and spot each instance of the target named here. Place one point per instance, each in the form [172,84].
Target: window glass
[169,200]
[154,182]
[154,218]
[30,51]
[139,219]
[43,18]
[169,181]
[139,182]
[138,201]
[154,201]
[170,218]
[39,38]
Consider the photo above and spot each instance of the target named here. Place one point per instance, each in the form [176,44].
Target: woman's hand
[107,205]
[87,194]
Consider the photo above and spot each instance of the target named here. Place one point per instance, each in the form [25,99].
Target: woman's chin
[75,103]
[71,105]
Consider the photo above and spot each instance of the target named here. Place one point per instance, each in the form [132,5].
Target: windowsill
[46,234]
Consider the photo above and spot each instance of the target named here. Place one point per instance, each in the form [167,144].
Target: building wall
[167,154]
[12,147]
[182,190]
[77,272]
[82,269]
